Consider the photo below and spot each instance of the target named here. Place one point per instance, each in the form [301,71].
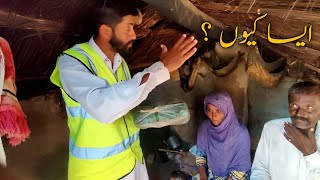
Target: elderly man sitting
[289,148]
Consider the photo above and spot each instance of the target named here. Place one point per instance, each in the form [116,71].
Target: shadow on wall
[45,154]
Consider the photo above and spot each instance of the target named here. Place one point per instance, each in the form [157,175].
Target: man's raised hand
[182,50]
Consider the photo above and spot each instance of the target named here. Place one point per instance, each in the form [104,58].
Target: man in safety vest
[99,93]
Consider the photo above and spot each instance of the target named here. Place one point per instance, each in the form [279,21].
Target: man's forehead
[308,98]
[130,19]
[307,95]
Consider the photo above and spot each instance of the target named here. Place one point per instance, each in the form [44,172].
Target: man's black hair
[112,13]
[306,87]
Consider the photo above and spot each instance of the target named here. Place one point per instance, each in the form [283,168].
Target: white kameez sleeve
[259,170]
[313,166]
[104,102]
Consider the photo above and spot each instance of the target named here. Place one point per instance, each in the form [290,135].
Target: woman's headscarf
[227,145]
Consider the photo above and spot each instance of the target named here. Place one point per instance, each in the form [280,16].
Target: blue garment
[227,146]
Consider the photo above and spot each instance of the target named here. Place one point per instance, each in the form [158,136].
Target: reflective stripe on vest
[100,153]
[76,112]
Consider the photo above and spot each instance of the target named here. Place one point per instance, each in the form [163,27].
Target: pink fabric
[12,119]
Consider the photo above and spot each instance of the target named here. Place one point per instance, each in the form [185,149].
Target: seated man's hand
[182,50]
[304,142]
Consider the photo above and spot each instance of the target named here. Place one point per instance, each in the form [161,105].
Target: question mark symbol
[204,29]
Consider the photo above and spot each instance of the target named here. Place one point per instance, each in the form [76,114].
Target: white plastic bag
[175,113]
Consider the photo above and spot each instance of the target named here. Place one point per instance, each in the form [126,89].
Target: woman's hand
[203,177]
[202,173]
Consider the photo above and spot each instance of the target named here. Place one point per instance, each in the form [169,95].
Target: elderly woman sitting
[223,144]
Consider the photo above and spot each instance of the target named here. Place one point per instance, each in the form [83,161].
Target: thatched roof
[38,31]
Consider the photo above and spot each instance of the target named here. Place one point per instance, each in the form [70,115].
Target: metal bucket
[173,142]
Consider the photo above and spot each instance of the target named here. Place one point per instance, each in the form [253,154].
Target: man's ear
[105,32]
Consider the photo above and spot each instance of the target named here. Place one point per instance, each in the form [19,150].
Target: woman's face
[215,115]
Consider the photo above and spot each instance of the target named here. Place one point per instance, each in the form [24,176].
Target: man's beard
[298,117]
[123,49]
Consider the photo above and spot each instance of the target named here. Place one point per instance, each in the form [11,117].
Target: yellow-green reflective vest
[98,151]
